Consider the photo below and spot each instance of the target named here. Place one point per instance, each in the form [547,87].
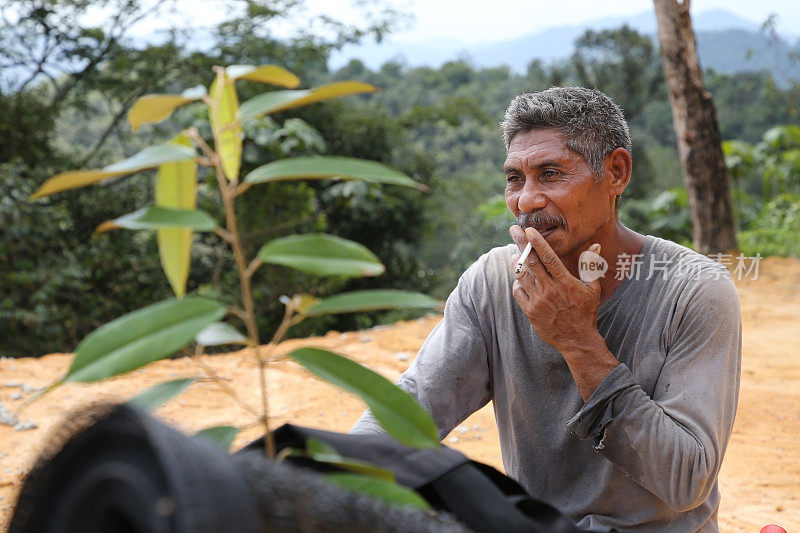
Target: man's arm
[673,443]
[450,375]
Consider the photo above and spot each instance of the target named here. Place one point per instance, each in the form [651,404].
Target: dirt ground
[760,478]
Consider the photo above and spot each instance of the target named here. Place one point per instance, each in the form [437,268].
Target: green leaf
[275,101]
[161,217]
[264,74]
[322,255]
[389,492]
[323,452]
[218,333]
[141,337]
[319,448]
[321,167]
[153,397]
[176,186]
[371,300]
[399,414]
[156,107]
[148,158]
[153,156]
[220,435]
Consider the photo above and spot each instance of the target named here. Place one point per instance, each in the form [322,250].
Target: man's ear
[619,165]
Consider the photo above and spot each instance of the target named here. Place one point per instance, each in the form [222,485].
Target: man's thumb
[595,283]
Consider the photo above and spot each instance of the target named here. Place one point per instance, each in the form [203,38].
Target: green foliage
[152,398]
[776,231]
[766,179]
[322,255]
[219,333]
[154,217]
[437,125]
[322,452]
[159,330]
[222,436]
[394,408]
[377,488]
[141,337]
[666,215]
[370,300]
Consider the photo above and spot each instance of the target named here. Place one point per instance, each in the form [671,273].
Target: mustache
[539,219]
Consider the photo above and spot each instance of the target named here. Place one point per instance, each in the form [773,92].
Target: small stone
[12,384]
[343,336]
[27,389]
[453,439]
[402,356]
[366,339]
[15,396]
[25,426]
[462,429]
[7,418]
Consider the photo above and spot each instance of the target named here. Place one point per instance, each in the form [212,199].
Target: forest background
[66,86]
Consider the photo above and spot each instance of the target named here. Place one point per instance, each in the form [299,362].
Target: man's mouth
[545,231]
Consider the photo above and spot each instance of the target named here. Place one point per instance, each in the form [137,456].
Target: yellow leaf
[275,101]
[157,107]
[150,157]
[176,186]
[72,180]
[227,130]
[108,225]
[264,74]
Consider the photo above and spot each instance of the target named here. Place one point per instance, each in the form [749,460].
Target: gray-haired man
[614,390]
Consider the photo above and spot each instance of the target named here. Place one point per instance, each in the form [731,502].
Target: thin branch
[252,267]
[194,135]
[223,234]
[220,382]
[241,188]
[235,311]
[111,127]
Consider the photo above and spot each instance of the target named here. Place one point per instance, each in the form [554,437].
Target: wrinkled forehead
[530,148]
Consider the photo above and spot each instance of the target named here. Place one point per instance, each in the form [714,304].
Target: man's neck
[615,240]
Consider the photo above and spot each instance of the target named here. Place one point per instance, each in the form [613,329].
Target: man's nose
[531,199]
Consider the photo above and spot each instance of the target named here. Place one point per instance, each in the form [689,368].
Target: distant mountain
[726,42]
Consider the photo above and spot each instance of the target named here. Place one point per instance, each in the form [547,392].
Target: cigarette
[522,258]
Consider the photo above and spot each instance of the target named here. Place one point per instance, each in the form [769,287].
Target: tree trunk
[695,120]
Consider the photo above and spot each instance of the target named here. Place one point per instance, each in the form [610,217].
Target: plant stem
[219,381]
[227,190]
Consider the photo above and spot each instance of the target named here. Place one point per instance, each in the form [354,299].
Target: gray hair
[591,123]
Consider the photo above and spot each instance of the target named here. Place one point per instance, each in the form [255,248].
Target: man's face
[553,189]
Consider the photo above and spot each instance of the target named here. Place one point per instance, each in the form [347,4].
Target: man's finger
[547,256]
[518,236]
[529,277]
[520,294]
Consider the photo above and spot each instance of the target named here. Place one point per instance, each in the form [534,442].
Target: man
[614,396]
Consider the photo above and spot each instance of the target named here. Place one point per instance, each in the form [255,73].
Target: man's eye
[550,174]
[512,178]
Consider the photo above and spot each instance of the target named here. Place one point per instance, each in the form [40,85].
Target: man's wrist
[590,362]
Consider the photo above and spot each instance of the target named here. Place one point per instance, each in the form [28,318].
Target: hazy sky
[471,21]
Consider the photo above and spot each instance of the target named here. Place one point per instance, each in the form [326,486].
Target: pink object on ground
[772,528]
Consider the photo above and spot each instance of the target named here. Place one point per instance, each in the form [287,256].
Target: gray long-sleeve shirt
[643,452]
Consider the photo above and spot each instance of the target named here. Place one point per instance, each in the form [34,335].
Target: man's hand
[563,311]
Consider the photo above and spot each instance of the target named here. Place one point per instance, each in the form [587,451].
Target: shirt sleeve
[450,375]
[673,443]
